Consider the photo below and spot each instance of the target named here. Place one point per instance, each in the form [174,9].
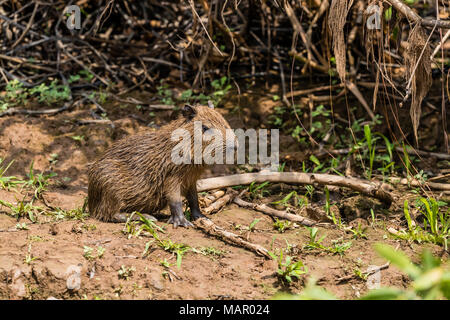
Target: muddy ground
[48,258]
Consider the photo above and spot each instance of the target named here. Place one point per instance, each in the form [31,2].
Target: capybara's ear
[189,111]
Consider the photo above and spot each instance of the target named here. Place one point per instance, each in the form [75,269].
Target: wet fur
[137,174]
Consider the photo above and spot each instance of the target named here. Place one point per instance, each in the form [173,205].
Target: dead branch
[212,229]
[414,17]
[366,188]
[219,203]
[13,111]
[273,212]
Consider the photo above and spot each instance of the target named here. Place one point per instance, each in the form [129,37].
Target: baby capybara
[138,173]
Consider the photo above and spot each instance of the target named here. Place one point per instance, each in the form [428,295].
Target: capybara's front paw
[180,221]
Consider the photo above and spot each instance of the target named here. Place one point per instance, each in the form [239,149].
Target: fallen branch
[212,229]
[13,111]
[312,90]
[366,188]
[219,203]
[412,16]
[273,212]
[440,156]
[417,183]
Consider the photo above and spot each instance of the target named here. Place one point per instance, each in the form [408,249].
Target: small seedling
[38,182]
[8,182]
[436,224]
[28,257]
[359,232]
[23,209]
[289,269]
[258,191]
[252,225]
[125,273]
[22,226]
[338,247]
[165,263]
[78,138]
[211,251]
[281,226]
[88,253]
[177,248]
[147,248]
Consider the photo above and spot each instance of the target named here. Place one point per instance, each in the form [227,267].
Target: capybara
[137,173]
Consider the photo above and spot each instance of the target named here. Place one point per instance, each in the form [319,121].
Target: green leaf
[428,279]
[383,294]
[313,159]
[398,258]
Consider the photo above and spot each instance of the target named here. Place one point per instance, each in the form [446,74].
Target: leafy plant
[16,94]
[281,226]
[126,272]
[88,253]
[52,93]
[371,149]
[209,251]
[165,263]
[289,269]
[22,226]
[7,182]
[38,182]
[436,224]
[314,243]
[23,209]
[252,225]
[165,94]
[178,248]
[431,279]
[28,256]
[253,189]
[328,211]
[221,87]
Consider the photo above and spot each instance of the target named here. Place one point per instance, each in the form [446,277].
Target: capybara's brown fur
[137,173]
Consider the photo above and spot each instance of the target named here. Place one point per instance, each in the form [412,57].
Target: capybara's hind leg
[122,217]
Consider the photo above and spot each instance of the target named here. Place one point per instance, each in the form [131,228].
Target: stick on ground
[212,229]
[364,187]
[274,213]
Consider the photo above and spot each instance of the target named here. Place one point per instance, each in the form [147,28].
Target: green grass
[23,209]
[18,95]
[219,89]
[37,182]
[289,269]
[338,247]
[209,251]
[430,280]
[436,223]
[88,253]
[281,225]
[8,182]
[177,248]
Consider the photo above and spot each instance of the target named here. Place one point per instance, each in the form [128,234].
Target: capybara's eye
[205,128]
